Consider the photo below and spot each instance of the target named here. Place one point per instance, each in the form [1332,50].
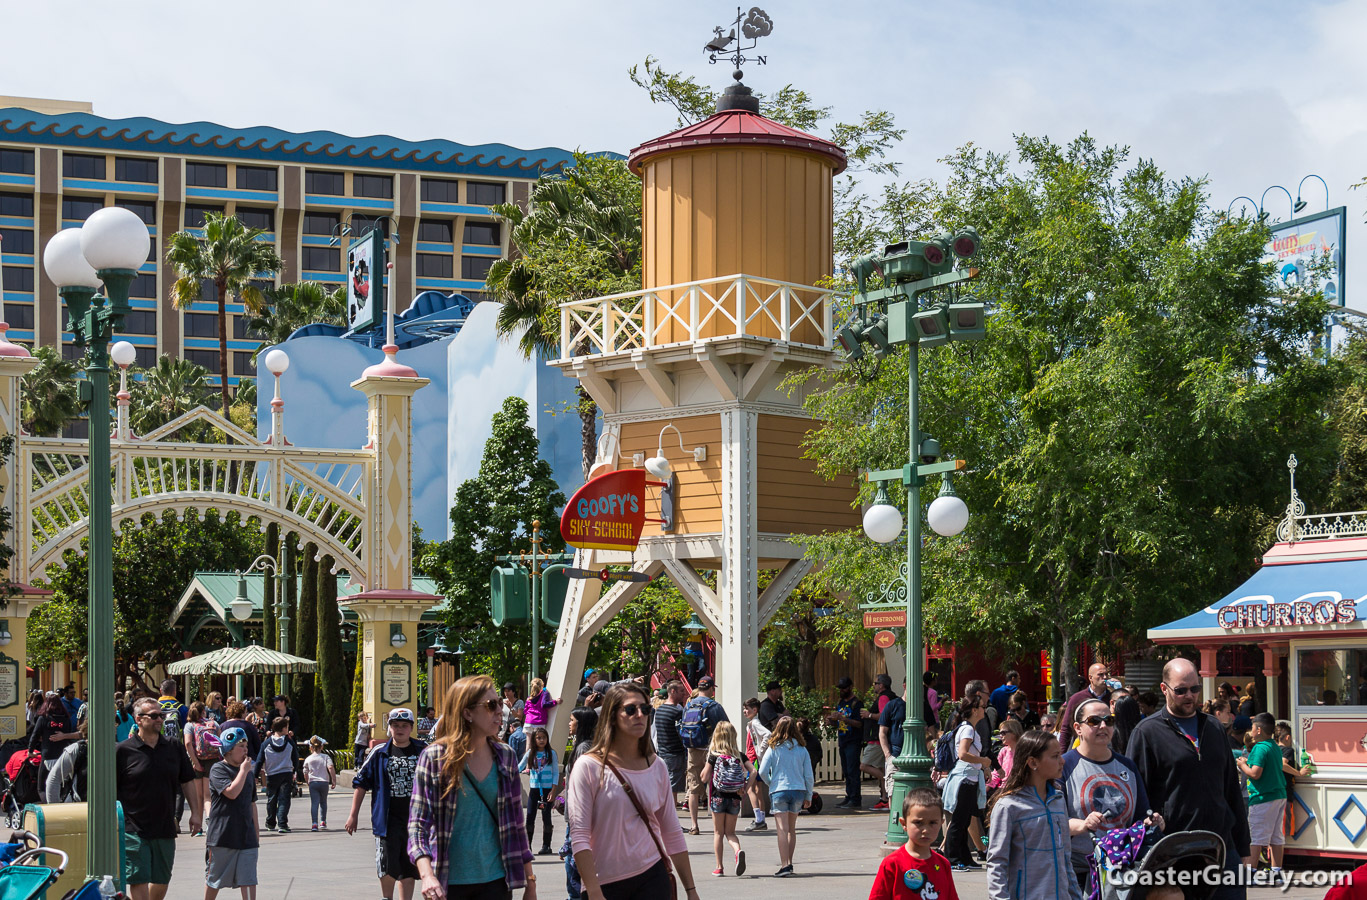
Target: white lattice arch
[70,537]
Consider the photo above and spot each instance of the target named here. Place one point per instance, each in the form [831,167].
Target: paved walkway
[837,855]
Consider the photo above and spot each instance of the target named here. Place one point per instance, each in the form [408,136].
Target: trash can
[62,826]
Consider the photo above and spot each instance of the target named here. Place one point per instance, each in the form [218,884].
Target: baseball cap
[321,740]
[279,698]
[509,686]
[844,682]
[1242,723]
[230,738]
[400,714]
[707,681]
[600,687]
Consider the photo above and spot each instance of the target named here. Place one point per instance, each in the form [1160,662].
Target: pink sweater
[602,818]
[536,710]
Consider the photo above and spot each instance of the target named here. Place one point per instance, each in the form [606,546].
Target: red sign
[884,639]
[607,513]
[893,618]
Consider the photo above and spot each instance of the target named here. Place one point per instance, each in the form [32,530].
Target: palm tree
[51,397]
[292,306]
[169,389]
[229,255]
[579,237]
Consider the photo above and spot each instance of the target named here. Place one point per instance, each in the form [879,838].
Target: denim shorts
[727,803]
[786,801]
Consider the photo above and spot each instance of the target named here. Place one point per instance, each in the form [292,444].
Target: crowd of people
[457,792]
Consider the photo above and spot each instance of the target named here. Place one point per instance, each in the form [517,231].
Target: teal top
[474,832]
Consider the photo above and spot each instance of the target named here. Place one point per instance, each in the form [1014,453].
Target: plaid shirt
[432,816]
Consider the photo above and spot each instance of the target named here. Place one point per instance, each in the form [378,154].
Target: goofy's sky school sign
[607,513]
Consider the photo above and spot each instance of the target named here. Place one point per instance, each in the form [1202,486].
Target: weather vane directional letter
[747,27]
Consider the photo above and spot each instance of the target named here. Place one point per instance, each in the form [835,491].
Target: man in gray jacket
[275,768]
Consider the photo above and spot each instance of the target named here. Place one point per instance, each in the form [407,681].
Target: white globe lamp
[882,520]
[277,362]
[123,354]
[947,515]
[115,238]
[65,264]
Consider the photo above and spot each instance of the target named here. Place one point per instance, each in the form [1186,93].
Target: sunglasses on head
[1183,691]
[636,709]
[1098,721]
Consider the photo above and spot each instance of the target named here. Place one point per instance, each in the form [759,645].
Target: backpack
[945,757]
[170,725]
[728,775]
[74,787]
[206,751]
[694,732]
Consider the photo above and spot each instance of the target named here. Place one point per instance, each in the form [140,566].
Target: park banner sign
[1296,244]
[365,280]
[607,513]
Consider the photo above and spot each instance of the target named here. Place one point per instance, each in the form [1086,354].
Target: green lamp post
[888,317]
[109,248]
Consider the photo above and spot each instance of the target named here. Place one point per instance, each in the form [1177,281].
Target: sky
[1246,93]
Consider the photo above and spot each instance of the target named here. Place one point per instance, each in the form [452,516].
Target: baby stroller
[1124,853]
[22,878]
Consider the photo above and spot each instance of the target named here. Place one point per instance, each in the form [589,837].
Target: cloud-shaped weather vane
[750,27]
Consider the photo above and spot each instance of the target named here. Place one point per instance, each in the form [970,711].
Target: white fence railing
[728,306]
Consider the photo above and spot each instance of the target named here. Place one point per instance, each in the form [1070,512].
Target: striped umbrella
[250,660]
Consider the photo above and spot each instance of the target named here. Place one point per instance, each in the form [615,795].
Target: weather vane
[747,27]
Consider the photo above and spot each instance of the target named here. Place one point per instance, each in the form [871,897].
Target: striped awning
[251,660]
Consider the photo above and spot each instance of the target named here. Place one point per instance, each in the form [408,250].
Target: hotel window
[72,352]
[143,171]
[80,208]
[16,204]
[361,224]
[256,218]
[206,175]
[19,315]
[242,330]
[16,162]
[440,191]
[255,178]
[18,278]
[331,183]
[372,186]
[77,165]
[144,286]
[208,291]
[140,321]
[485,193]
[433,265]
[320,223]
[242,363]
[145,211]
[486,233]
[147,357]
[195,213]
[475,268]
[201,325]
[16,240]
[430,230]
[206,358]
[322,259]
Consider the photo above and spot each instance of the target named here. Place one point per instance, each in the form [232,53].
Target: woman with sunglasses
[1102,789]
[624,829]
[467,799]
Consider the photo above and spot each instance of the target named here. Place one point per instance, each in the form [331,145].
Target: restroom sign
[607,513]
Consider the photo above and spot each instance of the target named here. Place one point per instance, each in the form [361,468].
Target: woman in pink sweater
[618,859]
[536,711]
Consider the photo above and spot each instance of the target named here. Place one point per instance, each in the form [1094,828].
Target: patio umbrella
[250,660]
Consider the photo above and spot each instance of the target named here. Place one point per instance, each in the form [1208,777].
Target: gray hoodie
[277,756]
[1029,856]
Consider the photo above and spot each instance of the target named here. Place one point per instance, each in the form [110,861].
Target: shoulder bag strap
[640,811]
[480,794]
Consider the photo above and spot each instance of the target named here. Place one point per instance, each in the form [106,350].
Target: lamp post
[281,615]
[1300,204]
[109,248]
[242,611]
[910,270]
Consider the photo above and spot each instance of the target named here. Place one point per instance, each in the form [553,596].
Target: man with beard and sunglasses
[1183,757]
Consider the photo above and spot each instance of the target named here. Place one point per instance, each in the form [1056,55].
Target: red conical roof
[736,126]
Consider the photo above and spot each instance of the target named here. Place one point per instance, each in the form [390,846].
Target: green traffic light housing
[937,255]
[555,584]
[864,267]
[967,321]
[931,326]
[509,595]
[966,242]
[849,340]
[876,333]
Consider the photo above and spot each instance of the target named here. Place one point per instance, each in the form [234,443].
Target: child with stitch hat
[914,871]
[233,837]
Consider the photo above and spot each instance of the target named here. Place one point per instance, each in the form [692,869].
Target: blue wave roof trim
[207,139]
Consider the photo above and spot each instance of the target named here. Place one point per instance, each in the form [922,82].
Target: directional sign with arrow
[607,574]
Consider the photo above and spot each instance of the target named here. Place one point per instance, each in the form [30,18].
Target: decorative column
[389,611]
[1208,670]
[1271,671]
[737,583]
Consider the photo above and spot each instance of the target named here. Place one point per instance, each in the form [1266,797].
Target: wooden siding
[792,497]
[699,505]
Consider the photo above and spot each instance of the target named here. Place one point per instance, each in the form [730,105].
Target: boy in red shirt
[914,871]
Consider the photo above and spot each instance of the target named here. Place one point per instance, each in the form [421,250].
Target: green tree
[291,306]
[171,388]
[230,255]
[153,563]
[1347,413]
[579,236]
[1141,362]
[302,696]
[270,626]
[492,516]
[333,688]
[51,397]
[289,565]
